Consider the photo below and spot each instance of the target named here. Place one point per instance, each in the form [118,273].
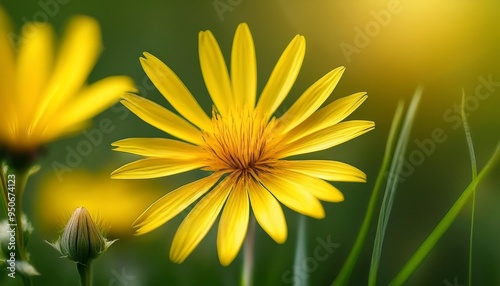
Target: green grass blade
[300,253]
[474,175]
[444,224]
[469,138]
[346,271]
[392,182]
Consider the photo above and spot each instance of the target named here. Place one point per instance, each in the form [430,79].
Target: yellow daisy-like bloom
[242,145]
[43,95]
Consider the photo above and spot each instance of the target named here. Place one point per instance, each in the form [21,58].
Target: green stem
[345,273]
[27,280]
[300,253]
[13,184]
[444,224]
[249,255]
[85,272]
[21,180]
[3,184]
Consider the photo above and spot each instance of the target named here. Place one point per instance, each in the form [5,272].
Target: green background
[446,47]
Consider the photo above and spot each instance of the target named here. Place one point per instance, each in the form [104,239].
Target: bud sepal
[82,240]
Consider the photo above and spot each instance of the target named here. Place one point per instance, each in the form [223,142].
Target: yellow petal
[316,187]
[214,70]
[243,67]
[292,195]
[199,221]
[34,63]
[327,116]
[172,204]
[155,167]
[328,137]
[162,118]
[268,212]
[49,134]
[7,77]
[77,56]
[326,170]
[233,224]
[283,76]
[311,99]
[172,88]
[92,100]
[158,147]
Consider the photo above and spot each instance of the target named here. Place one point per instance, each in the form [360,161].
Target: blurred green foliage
[398,45]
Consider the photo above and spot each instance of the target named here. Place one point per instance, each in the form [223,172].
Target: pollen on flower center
[240,141]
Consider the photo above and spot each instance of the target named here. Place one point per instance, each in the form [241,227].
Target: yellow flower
[115,204]
[242,146]
[43,96]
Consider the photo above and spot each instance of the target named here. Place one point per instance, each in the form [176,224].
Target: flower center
[240,141]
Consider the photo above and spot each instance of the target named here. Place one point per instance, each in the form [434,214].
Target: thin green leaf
[474,175]
[390,190]
[346,271]
[444,224]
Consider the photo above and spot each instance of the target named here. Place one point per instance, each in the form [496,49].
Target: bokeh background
[389,48]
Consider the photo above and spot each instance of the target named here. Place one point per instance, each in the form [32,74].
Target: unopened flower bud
[82,240]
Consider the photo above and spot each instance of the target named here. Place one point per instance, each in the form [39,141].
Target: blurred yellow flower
[115,204]
[43,96]
[242,145]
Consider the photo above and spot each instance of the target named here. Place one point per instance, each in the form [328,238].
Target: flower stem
[21,180]
[13,184]
[85,272]
[20,239]
[249,255]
